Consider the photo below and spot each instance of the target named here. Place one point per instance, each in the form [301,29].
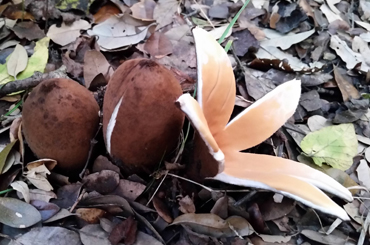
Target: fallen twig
[34,80]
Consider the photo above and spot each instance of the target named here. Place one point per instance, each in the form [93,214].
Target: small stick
[93,142]
[78,200]
[34,80]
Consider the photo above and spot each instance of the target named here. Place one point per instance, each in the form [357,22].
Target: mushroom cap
[141,123]
[60,117]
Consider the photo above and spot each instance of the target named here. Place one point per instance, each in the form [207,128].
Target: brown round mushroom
[60,117]
[141,123]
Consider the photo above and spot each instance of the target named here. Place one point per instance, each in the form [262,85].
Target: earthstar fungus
[60,117]
[222,140]
[141,122]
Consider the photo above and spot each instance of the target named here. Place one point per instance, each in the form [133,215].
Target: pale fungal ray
[112,123]
[216,83]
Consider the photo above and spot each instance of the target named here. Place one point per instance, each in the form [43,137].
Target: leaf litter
[271,44]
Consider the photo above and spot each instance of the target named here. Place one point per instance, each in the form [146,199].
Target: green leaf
[236,17]
[36,62]
[4,154]
[334,145]
[18,214]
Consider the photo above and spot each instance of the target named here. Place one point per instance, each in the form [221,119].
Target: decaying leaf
[49,235]
[351,58]
[334,145]
[274,53]
[22,187]
[17,61]
[18,214]
[285,41]
[317,122]
[63,213]
[29,30]
[67,33]
[143,10]
[158,45]
[46,209]
[105,12]
[94,234]
[363,173]
[275,239]
[124,231]
[4,155]
[186,205]
[212,225]
[38,177]
[219,31]
[326,239]
[119,31]
[94,64]
[90,215]
[129,189]
[346,88]
[37,194]
[164,11]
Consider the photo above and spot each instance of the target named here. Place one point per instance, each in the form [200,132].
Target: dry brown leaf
[331,5]
[212,225]
[219,31]
[308,10]
[363,173]
[95,63]
[29,30]
[330,15]
[129,189]
[275,239]
[144,9]
[103,182]
[360,46]
[90,215]
[365,8]
[22,188]
[14,128]
[119,31]
[363,24]
[125,231]
[346,88]
[164,12]
[37,194]
[38,177]
[286,41]
[318,122]
[162,209]
[254,30]
[274,54]
[17,61]
[143,238]
[67,34]
[158,45]
[186,205]
[54,235]
[49,164]
[105,12]
[351,58]
[352,210]
[338,238]
[221,207]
